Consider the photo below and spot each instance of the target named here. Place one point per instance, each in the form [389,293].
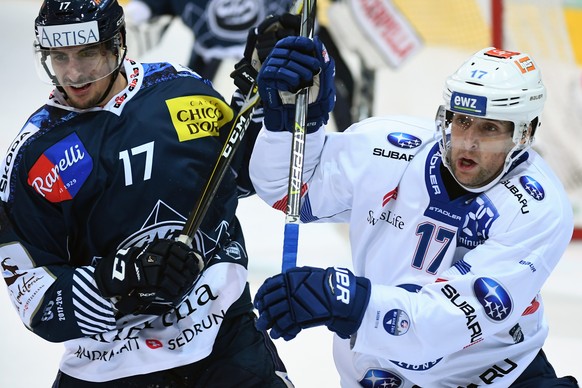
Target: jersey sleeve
[53,299]
[336,166]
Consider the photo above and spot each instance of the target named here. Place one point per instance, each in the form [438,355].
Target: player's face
[478,149]
[84,72]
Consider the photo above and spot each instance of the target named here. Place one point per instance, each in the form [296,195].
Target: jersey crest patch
[61,170]
[479,217]
[195,117]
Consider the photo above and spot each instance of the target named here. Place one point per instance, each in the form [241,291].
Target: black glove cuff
[244,76]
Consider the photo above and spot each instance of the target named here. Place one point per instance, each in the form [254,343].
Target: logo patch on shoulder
[493,297]
[396,322]
[61,170]
[532,187]
[196,117]
[379,378]
[404,140]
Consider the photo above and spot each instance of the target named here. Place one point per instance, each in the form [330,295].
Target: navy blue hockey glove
[149,280]
[260,42]
[295,63]
[306,297]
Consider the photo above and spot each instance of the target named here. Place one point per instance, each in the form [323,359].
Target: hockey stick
[239,127]
[292,215]
[234,138]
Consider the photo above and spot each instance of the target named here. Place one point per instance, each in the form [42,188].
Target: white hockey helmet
[497,85]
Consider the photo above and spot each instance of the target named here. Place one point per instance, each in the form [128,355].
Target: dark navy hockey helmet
[62,27]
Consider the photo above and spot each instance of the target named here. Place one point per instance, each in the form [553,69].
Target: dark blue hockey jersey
[220,27]
[77,185]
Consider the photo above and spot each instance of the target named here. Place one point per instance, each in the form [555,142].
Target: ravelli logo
[60,172]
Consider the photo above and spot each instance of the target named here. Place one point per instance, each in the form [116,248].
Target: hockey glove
[158,275]
[260,42]
[296,63]
[306,297]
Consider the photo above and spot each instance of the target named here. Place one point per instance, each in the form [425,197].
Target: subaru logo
[404,140]
[532,187]
[493,297]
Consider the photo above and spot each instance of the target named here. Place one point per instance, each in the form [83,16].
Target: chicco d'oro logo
[195,117]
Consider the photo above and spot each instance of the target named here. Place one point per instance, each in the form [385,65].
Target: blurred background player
[220,29]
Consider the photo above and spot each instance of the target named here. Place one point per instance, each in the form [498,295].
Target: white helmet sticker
[68,34]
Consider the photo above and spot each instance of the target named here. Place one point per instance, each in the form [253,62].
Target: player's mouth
[466,164]
[81,87]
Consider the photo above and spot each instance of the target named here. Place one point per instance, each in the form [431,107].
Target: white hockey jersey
[455,280]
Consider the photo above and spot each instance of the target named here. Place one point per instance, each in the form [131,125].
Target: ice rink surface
[26,361]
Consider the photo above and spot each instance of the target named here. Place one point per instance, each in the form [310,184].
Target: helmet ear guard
[495,84]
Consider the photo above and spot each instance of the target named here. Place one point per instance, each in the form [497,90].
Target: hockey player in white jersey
[454,227]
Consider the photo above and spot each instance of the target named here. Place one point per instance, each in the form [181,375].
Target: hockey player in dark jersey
[95,188]
[220,32]
[219,27]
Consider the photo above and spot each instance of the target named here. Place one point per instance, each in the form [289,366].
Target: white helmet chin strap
[506,166]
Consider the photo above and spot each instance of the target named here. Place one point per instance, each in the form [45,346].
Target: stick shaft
[292,215]
[237,131]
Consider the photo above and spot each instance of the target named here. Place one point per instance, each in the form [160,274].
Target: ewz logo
[468,104]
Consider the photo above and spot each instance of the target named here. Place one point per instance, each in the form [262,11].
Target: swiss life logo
[469,104]
[61,170]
